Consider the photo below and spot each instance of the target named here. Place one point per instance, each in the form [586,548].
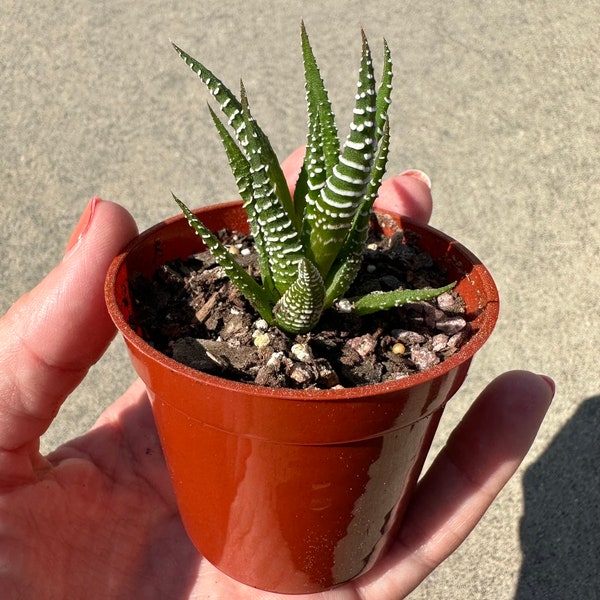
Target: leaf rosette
[309,245]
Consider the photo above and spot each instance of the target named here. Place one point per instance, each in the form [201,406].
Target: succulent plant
[310,246]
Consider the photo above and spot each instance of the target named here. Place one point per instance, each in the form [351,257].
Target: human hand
[97,517]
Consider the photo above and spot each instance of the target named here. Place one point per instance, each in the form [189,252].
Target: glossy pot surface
[285,490]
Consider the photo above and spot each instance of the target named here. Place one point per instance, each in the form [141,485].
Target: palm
[103,515]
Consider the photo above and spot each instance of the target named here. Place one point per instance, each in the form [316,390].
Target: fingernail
[82,227]
[420,175]
[550,383]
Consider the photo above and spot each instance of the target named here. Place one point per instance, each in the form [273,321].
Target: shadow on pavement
[560,530]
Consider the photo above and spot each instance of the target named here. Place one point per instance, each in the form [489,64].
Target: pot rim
[464,354]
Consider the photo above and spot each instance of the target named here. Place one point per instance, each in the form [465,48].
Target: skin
[97,517]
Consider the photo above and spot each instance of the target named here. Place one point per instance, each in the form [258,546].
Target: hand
[97,517]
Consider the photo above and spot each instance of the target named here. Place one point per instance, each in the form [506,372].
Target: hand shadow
[560,530]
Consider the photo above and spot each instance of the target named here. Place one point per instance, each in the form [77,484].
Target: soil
[191,312]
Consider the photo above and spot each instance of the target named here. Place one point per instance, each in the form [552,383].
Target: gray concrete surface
[497,101]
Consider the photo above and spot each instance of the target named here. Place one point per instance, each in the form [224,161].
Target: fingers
[291,167]
[408,194]
[480,457]
[53,334]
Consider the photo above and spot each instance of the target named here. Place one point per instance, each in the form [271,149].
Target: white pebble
[262,340]
[344,305]
[261,325]
[301,352]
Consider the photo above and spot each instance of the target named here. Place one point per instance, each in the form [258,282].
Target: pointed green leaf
[341,277]
[255,294]
[228,103]
[300,193]
[232,108]
[345,188]
[240,168]
[281,240]
[384,94]
[378,171]
[376,301]
[348,261]
[238,162]
[322,143]
[323,138]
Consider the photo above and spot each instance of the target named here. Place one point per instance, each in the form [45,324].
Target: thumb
[408,194]
[291,167]
[51,336]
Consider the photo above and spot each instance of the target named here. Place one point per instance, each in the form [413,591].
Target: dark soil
[192,313]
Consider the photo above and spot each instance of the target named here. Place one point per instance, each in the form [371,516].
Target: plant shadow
[560,536]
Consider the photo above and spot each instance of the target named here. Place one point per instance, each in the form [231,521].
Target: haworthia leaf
[349,259]
[281,240]
[240,168]
[376,301]
[341,277]
[322,143]
[300,194]
[232,108]
[253,292]
[346,186]
[300,308]
[384,94]
[322,127]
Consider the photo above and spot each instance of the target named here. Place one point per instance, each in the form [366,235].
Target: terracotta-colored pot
[293,491]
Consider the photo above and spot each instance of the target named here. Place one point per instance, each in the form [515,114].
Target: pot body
[293,491]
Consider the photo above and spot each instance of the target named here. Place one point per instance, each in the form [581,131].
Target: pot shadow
[559,532]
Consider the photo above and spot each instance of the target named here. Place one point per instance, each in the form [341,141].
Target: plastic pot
[285,490]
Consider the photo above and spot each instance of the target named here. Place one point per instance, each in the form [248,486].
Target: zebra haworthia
[310,246]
